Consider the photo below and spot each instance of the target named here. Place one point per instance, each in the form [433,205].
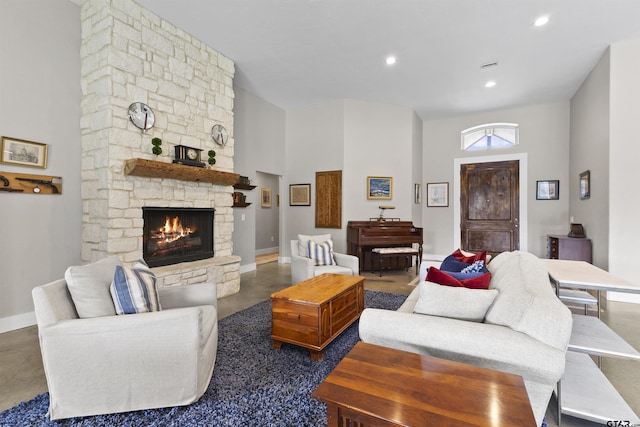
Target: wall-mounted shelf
[155,169]
[29,183]
[238,196]
[239,186]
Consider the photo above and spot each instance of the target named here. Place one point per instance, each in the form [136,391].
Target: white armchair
[303,267]
[119,363]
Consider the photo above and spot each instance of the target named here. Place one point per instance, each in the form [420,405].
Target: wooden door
[329,199]
[489,206]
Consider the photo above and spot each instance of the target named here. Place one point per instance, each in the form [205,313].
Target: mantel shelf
[155,169]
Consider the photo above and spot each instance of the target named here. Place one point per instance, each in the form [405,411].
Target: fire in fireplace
[174,235]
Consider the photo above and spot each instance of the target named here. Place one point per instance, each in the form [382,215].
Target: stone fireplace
[129,54]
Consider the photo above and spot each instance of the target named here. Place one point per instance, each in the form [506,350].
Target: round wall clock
[219,135]
[141,115]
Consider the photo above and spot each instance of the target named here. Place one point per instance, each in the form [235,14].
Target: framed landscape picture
[548,190]
[300,195]
[379,188]
[437,194]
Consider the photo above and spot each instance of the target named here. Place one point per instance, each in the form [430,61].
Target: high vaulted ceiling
[294,53]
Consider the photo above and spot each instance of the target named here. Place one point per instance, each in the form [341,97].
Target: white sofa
[524,332]
[117,363]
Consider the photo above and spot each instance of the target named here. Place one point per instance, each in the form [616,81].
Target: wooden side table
[574,248]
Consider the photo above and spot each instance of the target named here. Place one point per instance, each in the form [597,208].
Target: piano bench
[381,253]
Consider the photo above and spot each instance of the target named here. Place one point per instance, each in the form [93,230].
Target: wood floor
[263,259]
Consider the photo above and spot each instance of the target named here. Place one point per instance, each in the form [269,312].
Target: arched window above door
[490,135]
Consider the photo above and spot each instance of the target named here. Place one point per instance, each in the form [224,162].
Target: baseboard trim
[247,268]
[18,321]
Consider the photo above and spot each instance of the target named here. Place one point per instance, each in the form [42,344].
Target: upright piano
[362,236]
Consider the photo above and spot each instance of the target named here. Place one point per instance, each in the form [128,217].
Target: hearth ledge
[224,271]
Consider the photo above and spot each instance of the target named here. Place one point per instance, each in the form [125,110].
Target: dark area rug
[252,384]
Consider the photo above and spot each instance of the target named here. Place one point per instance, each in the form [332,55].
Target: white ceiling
[294,53]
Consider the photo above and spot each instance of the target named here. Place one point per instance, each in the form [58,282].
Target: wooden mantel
[155,169]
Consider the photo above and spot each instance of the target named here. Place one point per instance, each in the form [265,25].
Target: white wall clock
[141,115]
[219,134]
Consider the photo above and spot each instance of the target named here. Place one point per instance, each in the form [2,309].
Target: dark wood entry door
[489,206]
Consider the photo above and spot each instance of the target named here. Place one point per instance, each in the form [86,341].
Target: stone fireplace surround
[129,54]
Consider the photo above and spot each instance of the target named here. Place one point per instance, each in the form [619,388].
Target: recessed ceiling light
[490,83]
[391,60]
[543,20]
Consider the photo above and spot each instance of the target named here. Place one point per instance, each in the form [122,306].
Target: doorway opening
[267,239]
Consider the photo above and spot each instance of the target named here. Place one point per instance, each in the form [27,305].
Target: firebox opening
[174,235]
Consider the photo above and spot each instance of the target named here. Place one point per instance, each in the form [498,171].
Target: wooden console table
[584,392]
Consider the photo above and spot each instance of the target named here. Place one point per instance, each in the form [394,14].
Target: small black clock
[188,156]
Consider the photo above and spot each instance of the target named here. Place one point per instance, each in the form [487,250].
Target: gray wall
[314,142]
[544,137]
[624,204]
[259,144]
[39,101]
[361,139]
[604,140]
[590,151]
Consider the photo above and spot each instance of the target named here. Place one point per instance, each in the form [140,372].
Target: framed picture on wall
[379,188]
[548,190]
[437,194]
[300,195]
[20,152]
[585,185]
[265,197]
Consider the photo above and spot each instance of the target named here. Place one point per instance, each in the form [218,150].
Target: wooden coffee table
[380,386]
[313,313]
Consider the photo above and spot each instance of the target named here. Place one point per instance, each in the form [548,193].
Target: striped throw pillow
[322,253]
[134,289]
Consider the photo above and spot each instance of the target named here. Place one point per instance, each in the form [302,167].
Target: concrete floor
[22,375]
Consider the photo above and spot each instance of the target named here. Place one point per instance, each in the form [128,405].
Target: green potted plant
[156,142]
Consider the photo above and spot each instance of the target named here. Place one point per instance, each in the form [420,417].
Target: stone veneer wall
[130,54]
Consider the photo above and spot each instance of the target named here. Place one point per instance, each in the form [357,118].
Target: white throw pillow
[303,242]
[454,302]
[134,289]
[322,253]
[89,287]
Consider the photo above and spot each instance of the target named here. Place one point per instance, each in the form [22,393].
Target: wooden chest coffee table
[380,386]
[312,313]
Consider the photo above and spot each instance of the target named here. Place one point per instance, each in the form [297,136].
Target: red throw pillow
[482,256]
[440,277]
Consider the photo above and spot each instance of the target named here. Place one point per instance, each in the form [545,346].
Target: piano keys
[363,236]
